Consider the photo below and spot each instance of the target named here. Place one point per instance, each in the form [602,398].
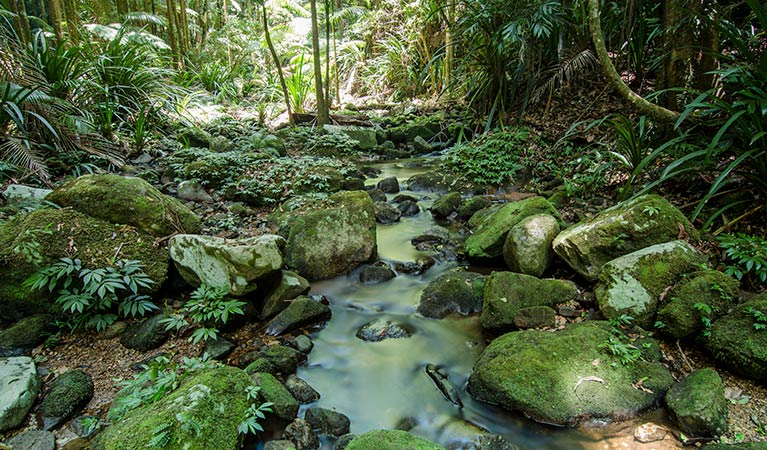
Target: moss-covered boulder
[59,233]
[391,440]
[214,400]
[301,312]
[471,205]
[25,335]
[126,200]
[146,335]
[454,292]
[439,181]
[739,342]
[701,297]
[527,248]
[698,405]
[486,243]
[506,293]
[238,265]
[535,317]
[632,284]
[285,405]
[620,230]
[290,286]
[68,393]
[386,213]
[567,377]
[330,237]
[445,205]
[364,137]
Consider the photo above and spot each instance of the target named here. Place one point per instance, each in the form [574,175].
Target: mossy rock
[68,393]
[486,244]
[507,293]
[290,286]
[566,377]
[471,205]
[213,399]
[74,235]
[441,182]
[740,446]
[679,315]
[24,335]
[737,345]
[622,229]
[633,283]
[527,248]
[126,200]
[445,205]
[391,440]
[453,292]
[698,405]
[331,237]
[285,405]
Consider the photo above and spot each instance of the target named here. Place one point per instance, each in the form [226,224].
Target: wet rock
[382,329]
[391,440]
[353,184]
[422,146]
[291,285]
[417,267]
[633,283]
[303,344]
[126,200]
[408,208]
[506,293]
[527,248]
[364,136]
[535,317]
[388,185]
[192,191]
[285,406]
[283,358]
[327,421]
[471,205]
[386,213]
[376,195]
[300,433]
[18,391]
[20,196]
[343,441]
[218,348]
[480,216]
[200,397]
[279,445]
[376,273]
[678,313]
[434,235]
[737,344]
[441,380]
[301,390]
[330,237]
[625,228]
[454,292]
[494,442]
[236,264]
[698,405]
[567,376]
[32,440]
[490,234]
[445,205]
[24,335]
[146,335]
[649,432]
[301,312]
[402,198]
[68,393]
[438,182]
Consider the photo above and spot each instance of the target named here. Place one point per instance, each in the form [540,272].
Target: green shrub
[745,257]
[494,158]
[208,306]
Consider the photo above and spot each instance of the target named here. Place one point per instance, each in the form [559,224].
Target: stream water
[383,384]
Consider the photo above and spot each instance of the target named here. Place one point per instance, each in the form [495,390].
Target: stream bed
[384,384]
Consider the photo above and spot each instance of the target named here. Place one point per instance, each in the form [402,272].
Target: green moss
[445,205]
[698,405]
[457,291]
[69,392]
[739,347]
[24,335]
[285,405]
[127,200]
[213,399]
[391,440]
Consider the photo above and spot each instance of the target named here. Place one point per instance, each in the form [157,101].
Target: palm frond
[581,64]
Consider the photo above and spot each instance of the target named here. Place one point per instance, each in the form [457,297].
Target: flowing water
[384,384]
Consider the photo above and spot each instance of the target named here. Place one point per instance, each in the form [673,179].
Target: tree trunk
[72,15]
[645,107]
[449,50]
[173,32]
[322,107]
[57,19]
[678,43]
[269,44]
[20,20]
[327,54]
[183,27]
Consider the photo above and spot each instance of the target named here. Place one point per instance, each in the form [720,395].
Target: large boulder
[18,195]
[126,200]
[18,391]
[632,284]
[445,205]
[59,233]
[527,248]
[330,237]
[391,440]
[438,181]
[625,228]
[698,405]
[738,340]
[364,136]
[486,243]
[567,377]
[681,312]
[285,406]
[213,399]
[507,293]
[24,335]
[453,292]
[235,264]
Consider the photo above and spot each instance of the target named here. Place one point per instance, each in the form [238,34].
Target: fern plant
[207,307]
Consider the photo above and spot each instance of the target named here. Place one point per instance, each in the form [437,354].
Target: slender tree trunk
[43,13]
[173,32]
[72,15]
[322,107]
[708,60]
[658,112]
[57,19]
[678,44]
[183,27]
[449,50]
[20,20]
[122,7]
[327,54]
[277,64]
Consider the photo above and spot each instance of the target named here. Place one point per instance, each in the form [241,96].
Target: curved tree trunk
[659,113]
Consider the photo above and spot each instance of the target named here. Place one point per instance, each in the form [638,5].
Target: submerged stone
[382,329]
